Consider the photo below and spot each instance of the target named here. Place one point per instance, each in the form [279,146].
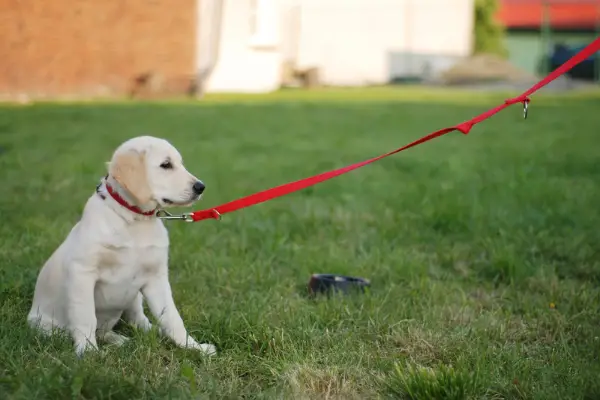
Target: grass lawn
[483,250]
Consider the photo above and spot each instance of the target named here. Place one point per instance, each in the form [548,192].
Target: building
[84,48]
[63,48]
[348,42]
[533,27]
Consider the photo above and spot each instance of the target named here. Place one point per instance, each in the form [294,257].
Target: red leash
[464,127]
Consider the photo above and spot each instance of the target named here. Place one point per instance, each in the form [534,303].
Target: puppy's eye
[166,165]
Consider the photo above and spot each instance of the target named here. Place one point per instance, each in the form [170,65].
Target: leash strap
[465,128]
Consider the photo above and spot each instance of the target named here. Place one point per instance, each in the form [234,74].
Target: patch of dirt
[312,382]
[484,68]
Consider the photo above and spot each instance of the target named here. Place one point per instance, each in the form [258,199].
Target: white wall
[356,42]
[352,42]
[245,63]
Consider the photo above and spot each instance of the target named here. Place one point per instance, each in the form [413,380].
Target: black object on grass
[327,283]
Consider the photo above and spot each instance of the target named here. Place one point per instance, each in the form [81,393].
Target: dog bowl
[327,283]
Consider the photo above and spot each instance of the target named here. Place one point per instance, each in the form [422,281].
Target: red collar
[125,204]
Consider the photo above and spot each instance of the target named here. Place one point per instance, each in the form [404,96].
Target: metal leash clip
[525,108]
[163,214]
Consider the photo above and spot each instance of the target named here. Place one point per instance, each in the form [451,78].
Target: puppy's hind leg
[81,312]
[134,314]
[40,324]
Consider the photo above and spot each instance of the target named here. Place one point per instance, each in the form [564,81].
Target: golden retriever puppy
[117,254]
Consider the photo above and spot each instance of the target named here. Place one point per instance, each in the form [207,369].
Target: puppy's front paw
[83,347]
[206,348]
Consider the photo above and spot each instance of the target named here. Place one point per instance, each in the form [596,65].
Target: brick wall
[59,48]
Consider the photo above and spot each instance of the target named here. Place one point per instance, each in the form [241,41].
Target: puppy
[117,254]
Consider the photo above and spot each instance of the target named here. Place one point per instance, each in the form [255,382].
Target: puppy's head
[151,171]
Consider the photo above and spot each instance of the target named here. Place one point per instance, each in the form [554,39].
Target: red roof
[568,14]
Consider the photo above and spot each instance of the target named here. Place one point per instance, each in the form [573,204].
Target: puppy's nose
[198,187]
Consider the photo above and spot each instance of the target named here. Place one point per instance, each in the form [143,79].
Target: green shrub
[488,34]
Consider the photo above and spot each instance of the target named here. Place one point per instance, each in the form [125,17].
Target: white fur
[113,257]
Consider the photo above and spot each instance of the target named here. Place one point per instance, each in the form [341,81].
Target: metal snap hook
[164,214]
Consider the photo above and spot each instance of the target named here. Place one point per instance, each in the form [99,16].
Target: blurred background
[157,48]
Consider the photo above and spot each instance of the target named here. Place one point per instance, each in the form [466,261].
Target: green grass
[483,250]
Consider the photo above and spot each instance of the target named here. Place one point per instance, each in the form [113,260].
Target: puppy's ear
[129,169]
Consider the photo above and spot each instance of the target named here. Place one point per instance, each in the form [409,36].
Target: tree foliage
[489,34]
